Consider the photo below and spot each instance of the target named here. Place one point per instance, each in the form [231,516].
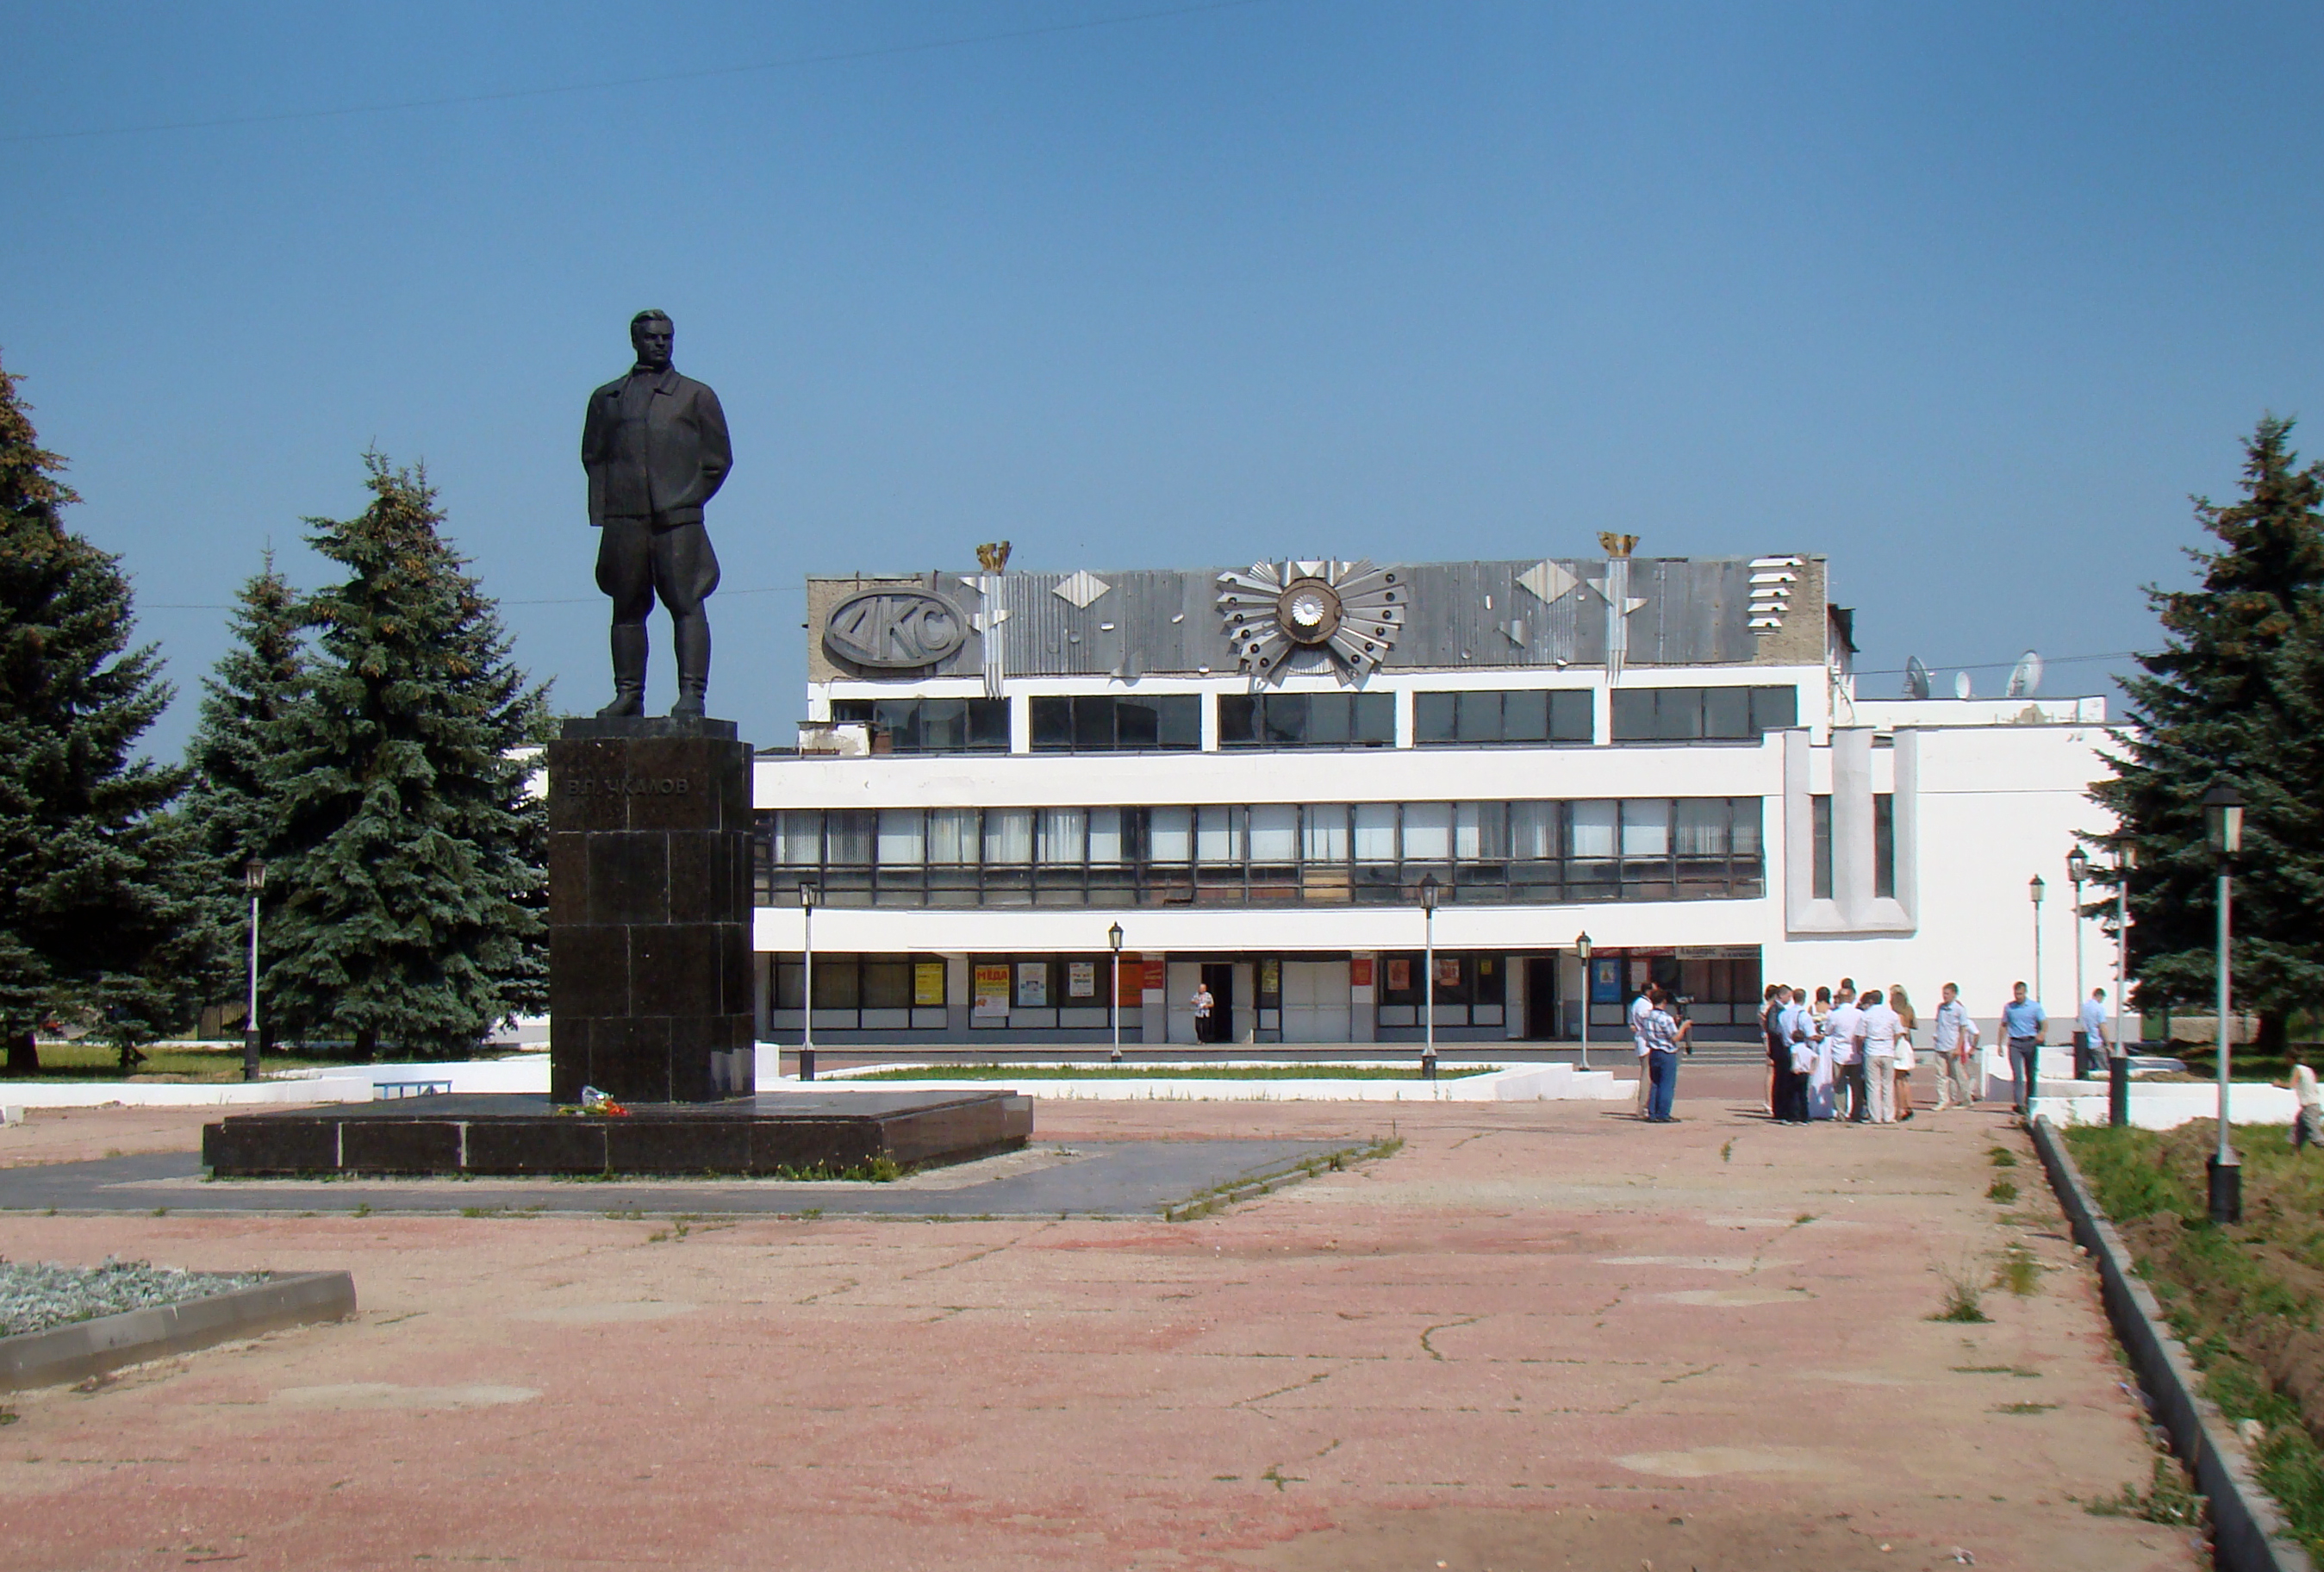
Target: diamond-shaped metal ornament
[1546,582]
[1080,588]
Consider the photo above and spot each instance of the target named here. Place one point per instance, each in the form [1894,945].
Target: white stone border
[1502,1084]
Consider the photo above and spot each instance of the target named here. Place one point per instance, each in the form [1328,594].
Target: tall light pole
[2077,868]
[2036,889]
[1429,890]
[806,981]
[2125,858]
[253,878]
[2223,823]
[1581,948]
[1114,937]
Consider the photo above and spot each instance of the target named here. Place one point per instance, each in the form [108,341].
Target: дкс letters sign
[894,629]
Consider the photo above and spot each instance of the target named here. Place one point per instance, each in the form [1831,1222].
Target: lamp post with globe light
[806,981]
[2078,869]
[2125,858]
[1113,937]
[253,880]
[1581,948]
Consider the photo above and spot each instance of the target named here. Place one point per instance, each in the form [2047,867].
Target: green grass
[1962,1302]
[2232,1294]
[96,1062]
[2001,1189]
[1192,1072]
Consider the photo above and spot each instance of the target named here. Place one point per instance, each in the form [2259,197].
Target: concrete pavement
[1539,1335]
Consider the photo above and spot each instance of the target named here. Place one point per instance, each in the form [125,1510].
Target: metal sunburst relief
[1352,609]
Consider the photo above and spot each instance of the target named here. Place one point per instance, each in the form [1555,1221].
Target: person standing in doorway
[1640,1008]
[1905,1056]
[1204,1007]
[2091,1046]
[1666,1034]
[1954,1041]
[1844,1030]
[2021,1023]
[1878,1027]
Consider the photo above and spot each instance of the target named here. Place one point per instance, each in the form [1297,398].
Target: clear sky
[1969,297]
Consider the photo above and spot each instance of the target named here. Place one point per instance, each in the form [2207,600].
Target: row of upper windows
[1117,723]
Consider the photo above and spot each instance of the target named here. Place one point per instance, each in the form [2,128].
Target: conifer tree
[410,851]
[232,804]
[89,899]
[2234,696]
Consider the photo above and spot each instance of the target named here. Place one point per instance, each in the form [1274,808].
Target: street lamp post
[253,878]
[2077,868]
[1429,890]
[1581,948]
[2223,822]
[806,981]
[2036,889]
[1114,937]
[2125,858]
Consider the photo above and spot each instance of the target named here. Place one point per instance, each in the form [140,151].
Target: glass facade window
[1558,715]
[1543,852]
[1106,723]
[858,992]
[1306,720]
[1683,714]
[930,726]
[1884,845]
[1820,819]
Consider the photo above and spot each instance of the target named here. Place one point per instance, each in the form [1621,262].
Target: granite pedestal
[777,1134]
[650,838]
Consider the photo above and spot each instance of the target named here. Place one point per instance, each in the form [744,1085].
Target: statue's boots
[629,672]
[691,637]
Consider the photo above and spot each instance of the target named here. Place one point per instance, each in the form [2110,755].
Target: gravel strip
[37,1296]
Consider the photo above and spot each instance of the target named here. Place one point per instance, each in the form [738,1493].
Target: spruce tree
[2235,695]
[232,804]
[410,854]
[89,899]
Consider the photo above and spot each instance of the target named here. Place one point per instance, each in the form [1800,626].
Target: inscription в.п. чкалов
[628,785]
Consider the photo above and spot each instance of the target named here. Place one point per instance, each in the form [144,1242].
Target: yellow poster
[990,993]
[928,983]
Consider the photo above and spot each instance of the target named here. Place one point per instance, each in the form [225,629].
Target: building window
[1884,845]
[1107,722]
[1558,715]
[1685,714]
[1538,851]
[860,992]
[930,725]
[1820,812]
[1471,989]
[1306,720]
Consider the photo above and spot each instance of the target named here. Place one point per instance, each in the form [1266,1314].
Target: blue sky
[1969,297]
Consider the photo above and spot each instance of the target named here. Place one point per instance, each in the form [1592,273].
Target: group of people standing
[1845,1055]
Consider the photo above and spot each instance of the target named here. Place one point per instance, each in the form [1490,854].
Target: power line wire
[508,95]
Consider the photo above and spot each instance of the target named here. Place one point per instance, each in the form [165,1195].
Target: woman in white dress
[1822,1096]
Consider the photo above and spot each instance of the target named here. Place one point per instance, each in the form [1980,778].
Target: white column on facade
[1154,1017]
[1363,1019]
[1515,980]
[956,993]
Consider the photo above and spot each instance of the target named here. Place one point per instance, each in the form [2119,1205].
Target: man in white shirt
[1956,1044]
[1842,1029]
[1880,1027]
[1640,1008]
[2091,1038]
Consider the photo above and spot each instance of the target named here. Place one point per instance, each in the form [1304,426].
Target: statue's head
[652,334]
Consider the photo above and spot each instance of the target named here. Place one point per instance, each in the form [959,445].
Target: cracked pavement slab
[1539,1335]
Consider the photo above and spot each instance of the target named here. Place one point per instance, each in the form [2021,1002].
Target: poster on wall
[928,983]
[1032,985]
[1448,971]
[1399,976]
[1359,972]
[1158,976]
[1271,976]
[1605,980]
[990,995]
[1080,979]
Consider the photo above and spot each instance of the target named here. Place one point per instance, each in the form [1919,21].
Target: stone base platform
[771,1136]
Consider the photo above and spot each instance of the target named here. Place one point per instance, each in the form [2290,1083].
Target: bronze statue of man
[655,446]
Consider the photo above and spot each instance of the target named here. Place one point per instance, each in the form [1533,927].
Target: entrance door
[1315,1002]
[1219,978]
[1541,1023]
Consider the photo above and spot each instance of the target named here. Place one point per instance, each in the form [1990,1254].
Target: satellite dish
[1917,677]
[1960,685]
[2026,679]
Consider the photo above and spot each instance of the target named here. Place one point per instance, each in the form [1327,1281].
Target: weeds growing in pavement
[2167,1499]
[1962,1302]
[2018,1272]
[2001,1157]
[2003,1190]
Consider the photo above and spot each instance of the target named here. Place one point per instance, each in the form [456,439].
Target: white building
[1253,773]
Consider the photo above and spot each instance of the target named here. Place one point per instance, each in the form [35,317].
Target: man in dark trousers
[654,444]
